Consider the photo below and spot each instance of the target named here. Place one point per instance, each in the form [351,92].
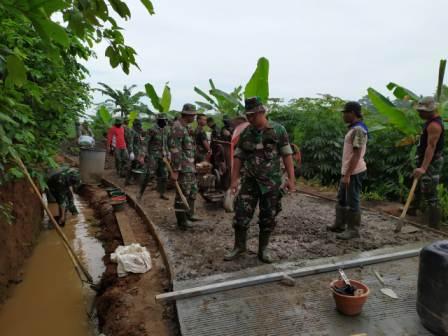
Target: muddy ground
[300,234]
[126,306]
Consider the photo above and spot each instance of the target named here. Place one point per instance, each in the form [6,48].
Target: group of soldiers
[263,167]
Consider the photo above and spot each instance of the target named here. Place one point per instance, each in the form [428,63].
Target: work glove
[132,156]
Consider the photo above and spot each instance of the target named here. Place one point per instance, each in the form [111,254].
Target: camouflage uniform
[260,151]
[157,150]
[59,183]
[201,151]
[181,146]
[134,145]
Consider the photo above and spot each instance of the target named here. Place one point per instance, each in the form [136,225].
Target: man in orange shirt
[115,138]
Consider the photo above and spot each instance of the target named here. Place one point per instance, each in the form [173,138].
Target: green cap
[253,105]
[427,104]
[189,109]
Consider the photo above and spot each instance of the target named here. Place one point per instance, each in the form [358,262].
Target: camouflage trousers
[155,167]
[200,157]
[427,187]
[63,198]
[121,159]
[246,202]
[189,187]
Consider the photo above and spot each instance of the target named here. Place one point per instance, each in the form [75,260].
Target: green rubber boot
[340,221]
[162,189]
[353,224]
[263,242]
[191,214]
[182,222]
[239,247]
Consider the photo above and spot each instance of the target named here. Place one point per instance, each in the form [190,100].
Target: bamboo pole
[76,262]
[179,190]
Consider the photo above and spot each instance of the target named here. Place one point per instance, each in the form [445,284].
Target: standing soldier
[226,130]
[429,161]
[200,137]
[157,151]
[259,149]
[116,139]
[135,148]
[353,172]
[181,146]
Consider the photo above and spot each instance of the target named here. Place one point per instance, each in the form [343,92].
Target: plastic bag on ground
[131,259]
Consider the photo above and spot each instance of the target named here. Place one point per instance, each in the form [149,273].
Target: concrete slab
[305,309]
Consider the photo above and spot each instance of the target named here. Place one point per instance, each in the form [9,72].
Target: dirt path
[300,234]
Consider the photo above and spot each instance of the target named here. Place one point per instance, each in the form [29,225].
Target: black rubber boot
[434,215]
[340,220]
[191,214]
[182,222]
[353,224]
[263,242]
[239,247]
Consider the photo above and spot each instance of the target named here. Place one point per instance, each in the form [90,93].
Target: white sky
[339,47]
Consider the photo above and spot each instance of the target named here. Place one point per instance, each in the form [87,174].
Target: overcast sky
[339,47]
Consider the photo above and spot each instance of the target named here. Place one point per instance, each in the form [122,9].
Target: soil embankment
[17,235]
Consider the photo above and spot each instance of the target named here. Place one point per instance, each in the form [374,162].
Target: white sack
[131,259]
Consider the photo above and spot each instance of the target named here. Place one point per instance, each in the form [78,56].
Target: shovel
[406,206]
[386,291]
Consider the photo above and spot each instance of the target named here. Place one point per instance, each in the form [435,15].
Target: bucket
[432,294]
[347,304]
[91,165]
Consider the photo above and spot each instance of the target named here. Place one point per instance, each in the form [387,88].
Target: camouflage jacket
[260,151]
[60,180]
[158,141]
[134,142]
[181,146]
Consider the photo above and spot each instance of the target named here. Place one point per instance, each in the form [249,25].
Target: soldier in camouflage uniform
[429,161]
[181,146]
[59,182]
[259,150]
[201,141]
[157,150]
[134,144]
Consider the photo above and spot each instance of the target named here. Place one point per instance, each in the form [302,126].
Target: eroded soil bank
[126,305]
[18,233]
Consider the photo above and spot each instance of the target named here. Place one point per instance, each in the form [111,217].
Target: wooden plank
[125,228]
[277,276]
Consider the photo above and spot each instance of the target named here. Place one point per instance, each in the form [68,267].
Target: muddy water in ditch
[51,301]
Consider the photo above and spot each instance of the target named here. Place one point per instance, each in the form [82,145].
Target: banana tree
[232,103]
[124,100]
[402,114]
[161,104]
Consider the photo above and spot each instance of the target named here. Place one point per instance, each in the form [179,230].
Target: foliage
[38,114]
[231,104]
[124,101]
[87,22]
[315,124]
[42,88]
[442,193]
[6,212]
[161,104]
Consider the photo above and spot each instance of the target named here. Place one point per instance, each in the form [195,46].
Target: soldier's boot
[263,242]
[340,220]
[127,180]
[182,222]
[434,215]
[162,190]
[191,214]
[240,245]
[353,224]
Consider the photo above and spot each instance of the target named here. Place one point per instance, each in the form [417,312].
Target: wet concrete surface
[51,300]
[300,234]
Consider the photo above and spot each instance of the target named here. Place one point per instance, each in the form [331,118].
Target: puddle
[51,300]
